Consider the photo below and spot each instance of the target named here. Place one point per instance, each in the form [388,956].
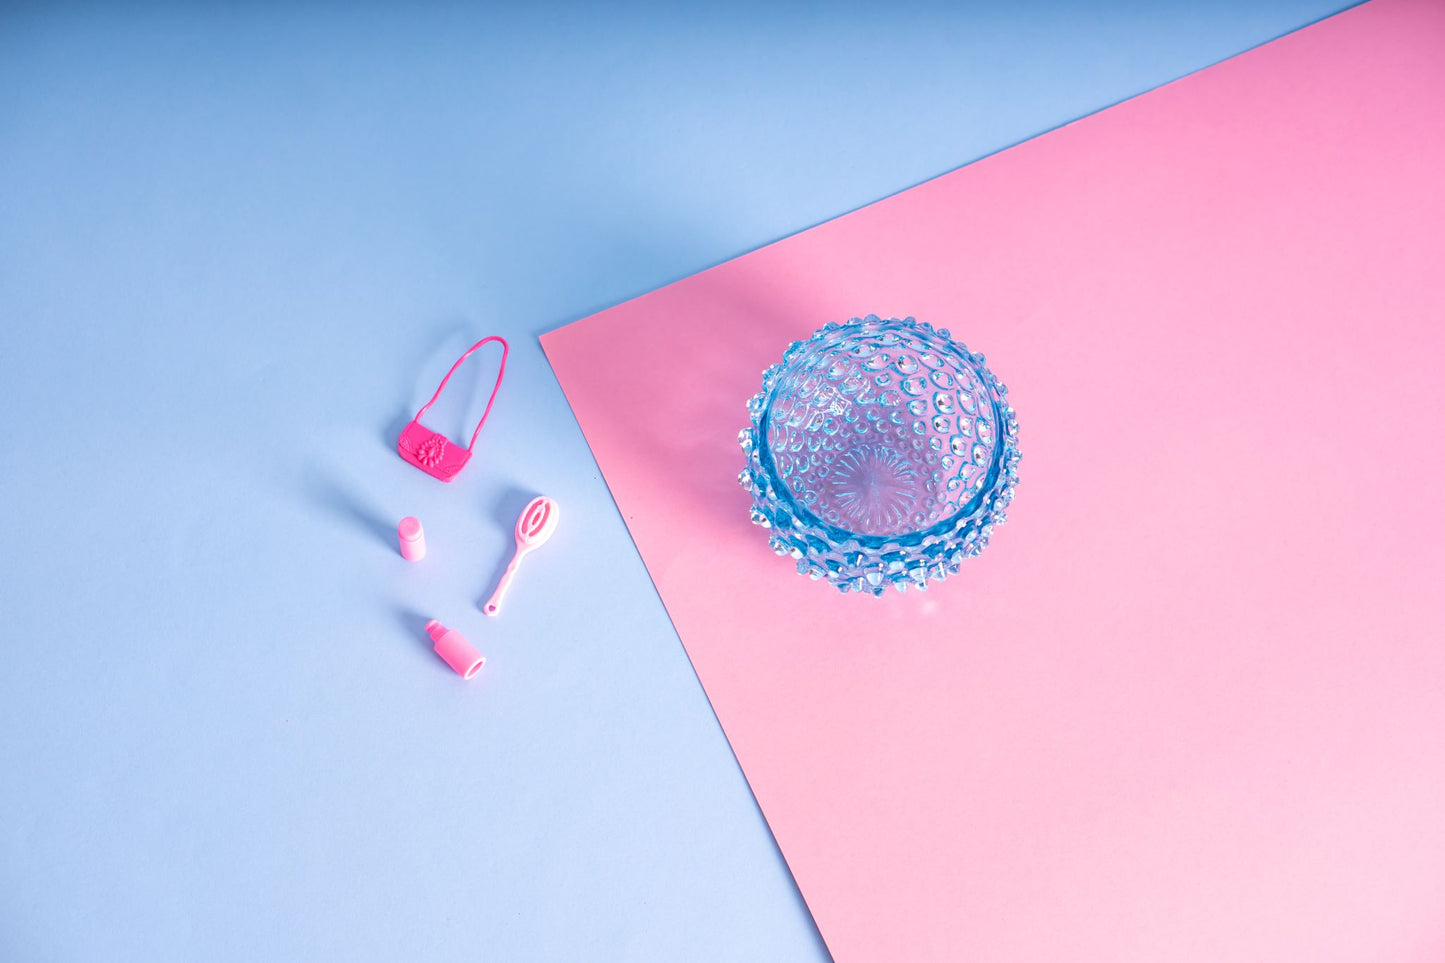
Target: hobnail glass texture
[880,452]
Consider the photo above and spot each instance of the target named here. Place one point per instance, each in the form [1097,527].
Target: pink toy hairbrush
[534,526]
[431,451]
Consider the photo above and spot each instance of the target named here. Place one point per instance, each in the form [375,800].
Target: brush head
[537,522]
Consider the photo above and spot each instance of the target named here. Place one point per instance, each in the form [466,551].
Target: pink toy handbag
[431,451]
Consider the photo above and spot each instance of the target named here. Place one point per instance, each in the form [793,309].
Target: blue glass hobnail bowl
[880,452]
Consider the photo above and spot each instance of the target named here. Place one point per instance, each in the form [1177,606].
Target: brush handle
[494,604]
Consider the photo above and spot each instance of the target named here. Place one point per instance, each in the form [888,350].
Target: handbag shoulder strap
[501,370]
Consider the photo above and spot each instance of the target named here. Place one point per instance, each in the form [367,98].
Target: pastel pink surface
[1190,705]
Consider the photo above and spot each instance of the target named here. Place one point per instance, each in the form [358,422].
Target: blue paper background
[239,245]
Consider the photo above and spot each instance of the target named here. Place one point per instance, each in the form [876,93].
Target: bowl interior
[881,430]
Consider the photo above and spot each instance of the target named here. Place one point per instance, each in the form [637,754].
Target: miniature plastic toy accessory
[413,540]
[534,526]
[431,451]
[881,452]
[455,650]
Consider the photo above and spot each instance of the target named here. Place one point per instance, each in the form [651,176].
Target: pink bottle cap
[455,650]
[413,540]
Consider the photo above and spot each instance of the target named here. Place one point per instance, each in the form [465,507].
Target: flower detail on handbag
[431,451]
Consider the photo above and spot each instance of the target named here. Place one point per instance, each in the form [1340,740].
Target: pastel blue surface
[238,247]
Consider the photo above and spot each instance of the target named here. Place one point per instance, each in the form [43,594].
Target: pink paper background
[1190,705]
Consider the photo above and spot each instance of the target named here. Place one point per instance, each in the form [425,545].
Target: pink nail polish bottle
[412,538]
[455,650]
